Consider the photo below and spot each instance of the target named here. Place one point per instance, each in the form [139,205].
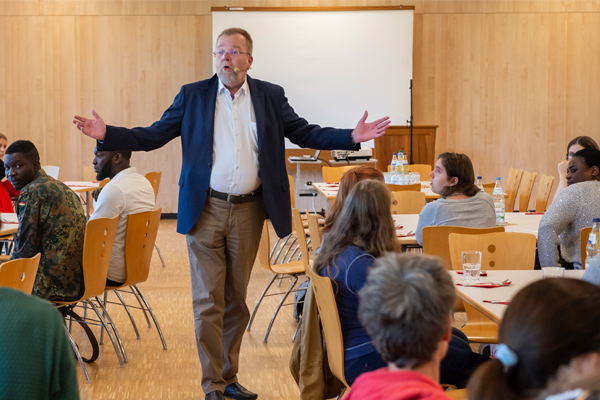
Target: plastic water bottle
[499,202]
[400,163]
[394,169]
[593,245]
[479,184]
[404,163]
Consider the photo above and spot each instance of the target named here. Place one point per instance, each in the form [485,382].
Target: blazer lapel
[258,102]
[209,96]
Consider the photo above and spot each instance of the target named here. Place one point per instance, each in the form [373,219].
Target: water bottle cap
[596,220]
[478,177]
[497,178]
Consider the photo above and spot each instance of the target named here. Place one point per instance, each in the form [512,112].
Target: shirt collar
[126,171]
[244,90]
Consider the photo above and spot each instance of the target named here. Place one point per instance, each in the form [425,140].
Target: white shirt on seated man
[127,193]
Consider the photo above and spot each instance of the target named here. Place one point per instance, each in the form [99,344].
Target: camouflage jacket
[52,222]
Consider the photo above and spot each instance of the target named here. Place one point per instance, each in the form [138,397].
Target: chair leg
[260,299]
[289,249]
[297,327]
[110,335]
[137,333]
[139,292]
[139,300]
[159,255]
[114,328]
[279,307]
[76,351]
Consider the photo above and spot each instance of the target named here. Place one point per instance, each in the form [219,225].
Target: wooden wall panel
[509,82]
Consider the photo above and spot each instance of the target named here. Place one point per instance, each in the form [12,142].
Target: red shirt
[395,385]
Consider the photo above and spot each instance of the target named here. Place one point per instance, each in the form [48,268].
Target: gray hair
[238,31]
[404,306]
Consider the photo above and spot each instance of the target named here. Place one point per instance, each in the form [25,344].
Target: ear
[250,61]
[587,363]
[453,181]
[37,166]
[595,171]
[117,158]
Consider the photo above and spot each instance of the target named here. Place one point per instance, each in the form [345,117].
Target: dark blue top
[352,265]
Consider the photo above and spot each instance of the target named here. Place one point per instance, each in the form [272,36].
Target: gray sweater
[573,209]
[474,212]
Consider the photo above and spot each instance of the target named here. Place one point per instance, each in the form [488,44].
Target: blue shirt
[352,268]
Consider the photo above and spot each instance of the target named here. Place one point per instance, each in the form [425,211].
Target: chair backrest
[334,174]
[292,192]
[264,248]
[489,187]
[512,187]
[51,170]
[527,183]
[315,232]
[299,228]
[97,248]
[501,250]
[415,187]
[142,229]
[20,274]
[103,182]
[408,202]
[154,178]
[435,239]
[584,235]
[330,319]
[543,193]
[423,169]
[89,174]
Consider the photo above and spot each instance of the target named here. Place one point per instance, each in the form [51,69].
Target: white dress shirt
[235,143]
[127,193]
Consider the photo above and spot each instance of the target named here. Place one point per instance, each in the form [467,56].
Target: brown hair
[349,179]
[238,31]
[365,221]
[546,325]
[584,141]
[3,136]
[459,166]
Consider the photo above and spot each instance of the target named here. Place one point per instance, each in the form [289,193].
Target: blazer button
[209,165]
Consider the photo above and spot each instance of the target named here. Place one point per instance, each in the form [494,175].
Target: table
[515,222]
[10,224]
[474,296]
[83,187]
[330,190]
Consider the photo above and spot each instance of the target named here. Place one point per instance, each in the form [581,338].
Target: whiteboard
[333,65]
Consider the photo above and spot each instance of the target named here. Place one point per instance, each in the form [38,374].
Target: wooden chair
[154,178]
[20,274]
[489,187]
[512,187]
[290,269]
[458,394]
[501,250]
[334,174]
[423,169]
[584,235]
[415,187]
[89,174]
[543,193]
[408,202]
[140,237]
[97,248]
[51,170]
[314,229]
[527,183]
[332,328]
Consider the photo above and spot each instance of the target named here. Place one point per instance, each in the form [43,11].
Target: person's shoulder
[263,85]
[33,305]
[200,84]
[484,196]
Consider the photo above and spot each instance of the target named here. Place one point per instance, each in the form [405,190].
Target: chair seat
[291,268]
[482,333]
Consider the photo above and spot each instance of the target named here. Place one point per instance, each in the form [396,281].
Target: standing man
[232,130]
[127,193]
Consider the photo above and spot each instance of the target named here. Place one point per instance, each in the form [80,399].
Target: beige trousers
[222,248]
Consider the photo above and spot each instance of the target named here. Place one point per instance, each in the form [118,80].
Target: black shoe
[214,395]
[238,392]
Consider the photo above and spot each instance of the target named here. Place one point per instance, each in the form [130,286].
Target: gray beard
[227,77]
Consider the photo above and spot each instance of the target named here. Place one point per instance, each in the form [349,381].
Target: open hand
[369,130]
[94,128]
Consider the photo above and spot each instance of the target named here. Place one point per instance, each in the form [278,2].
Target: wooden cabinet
[397,138]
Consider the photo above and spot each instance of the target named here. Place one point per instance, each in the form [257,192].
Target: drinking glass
[471,263]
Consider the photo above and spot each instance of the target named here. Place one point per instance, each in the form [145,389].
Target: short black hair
[26,147]
[124,153]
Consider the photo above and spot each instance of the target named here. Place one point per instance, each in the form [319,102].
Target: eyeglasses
[233,53]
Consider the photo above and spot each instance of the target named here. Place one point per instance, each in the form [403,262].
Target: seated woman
[579,143]
[574,209]
[349,179]
[546,346]
[461,203]
[363,231]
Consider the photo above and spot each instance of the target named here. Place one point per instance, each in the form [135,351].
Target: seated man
[406,307]
[51,222]
[36,359]
[127,193]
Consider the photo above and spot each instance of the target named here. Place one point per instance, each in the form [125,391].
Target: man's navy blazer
[192,117]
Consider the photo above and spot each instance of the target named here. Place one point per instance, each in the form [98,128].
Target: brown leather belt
[234,198]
